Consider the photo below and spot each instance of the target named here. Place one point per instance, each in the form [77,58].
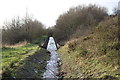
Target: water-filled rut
[52,65]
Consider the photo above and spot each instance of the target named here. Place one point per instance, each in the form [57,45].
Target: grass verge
[28,61]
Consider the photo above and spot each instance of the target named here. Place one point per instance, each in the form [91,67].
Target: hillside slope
[96,55]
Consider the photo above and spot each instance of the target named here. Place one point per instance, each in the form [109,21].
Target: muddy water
[52,65]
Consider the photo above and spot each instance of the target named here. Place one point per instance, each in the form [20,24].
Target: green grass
[15,59]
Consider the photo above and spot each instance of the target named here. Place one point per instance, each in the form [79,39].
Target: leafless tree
[81,17]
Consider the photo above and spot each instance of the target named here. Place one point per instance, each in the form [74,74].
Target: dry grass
[95,55]
[23,43]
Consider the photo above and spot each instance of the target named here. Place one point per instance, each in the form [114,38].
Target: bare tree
[22,29]
[81,17]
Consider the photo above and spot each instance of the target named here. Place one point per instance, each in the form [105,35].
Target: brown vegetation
[96,55]
[19,30]
[78,21]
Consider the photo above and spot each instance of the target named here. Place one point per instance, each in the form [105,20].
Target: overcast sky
[46,11]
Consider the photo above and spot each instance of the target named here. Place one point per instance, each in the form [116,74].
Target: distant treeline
[25,29]
[76,22]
